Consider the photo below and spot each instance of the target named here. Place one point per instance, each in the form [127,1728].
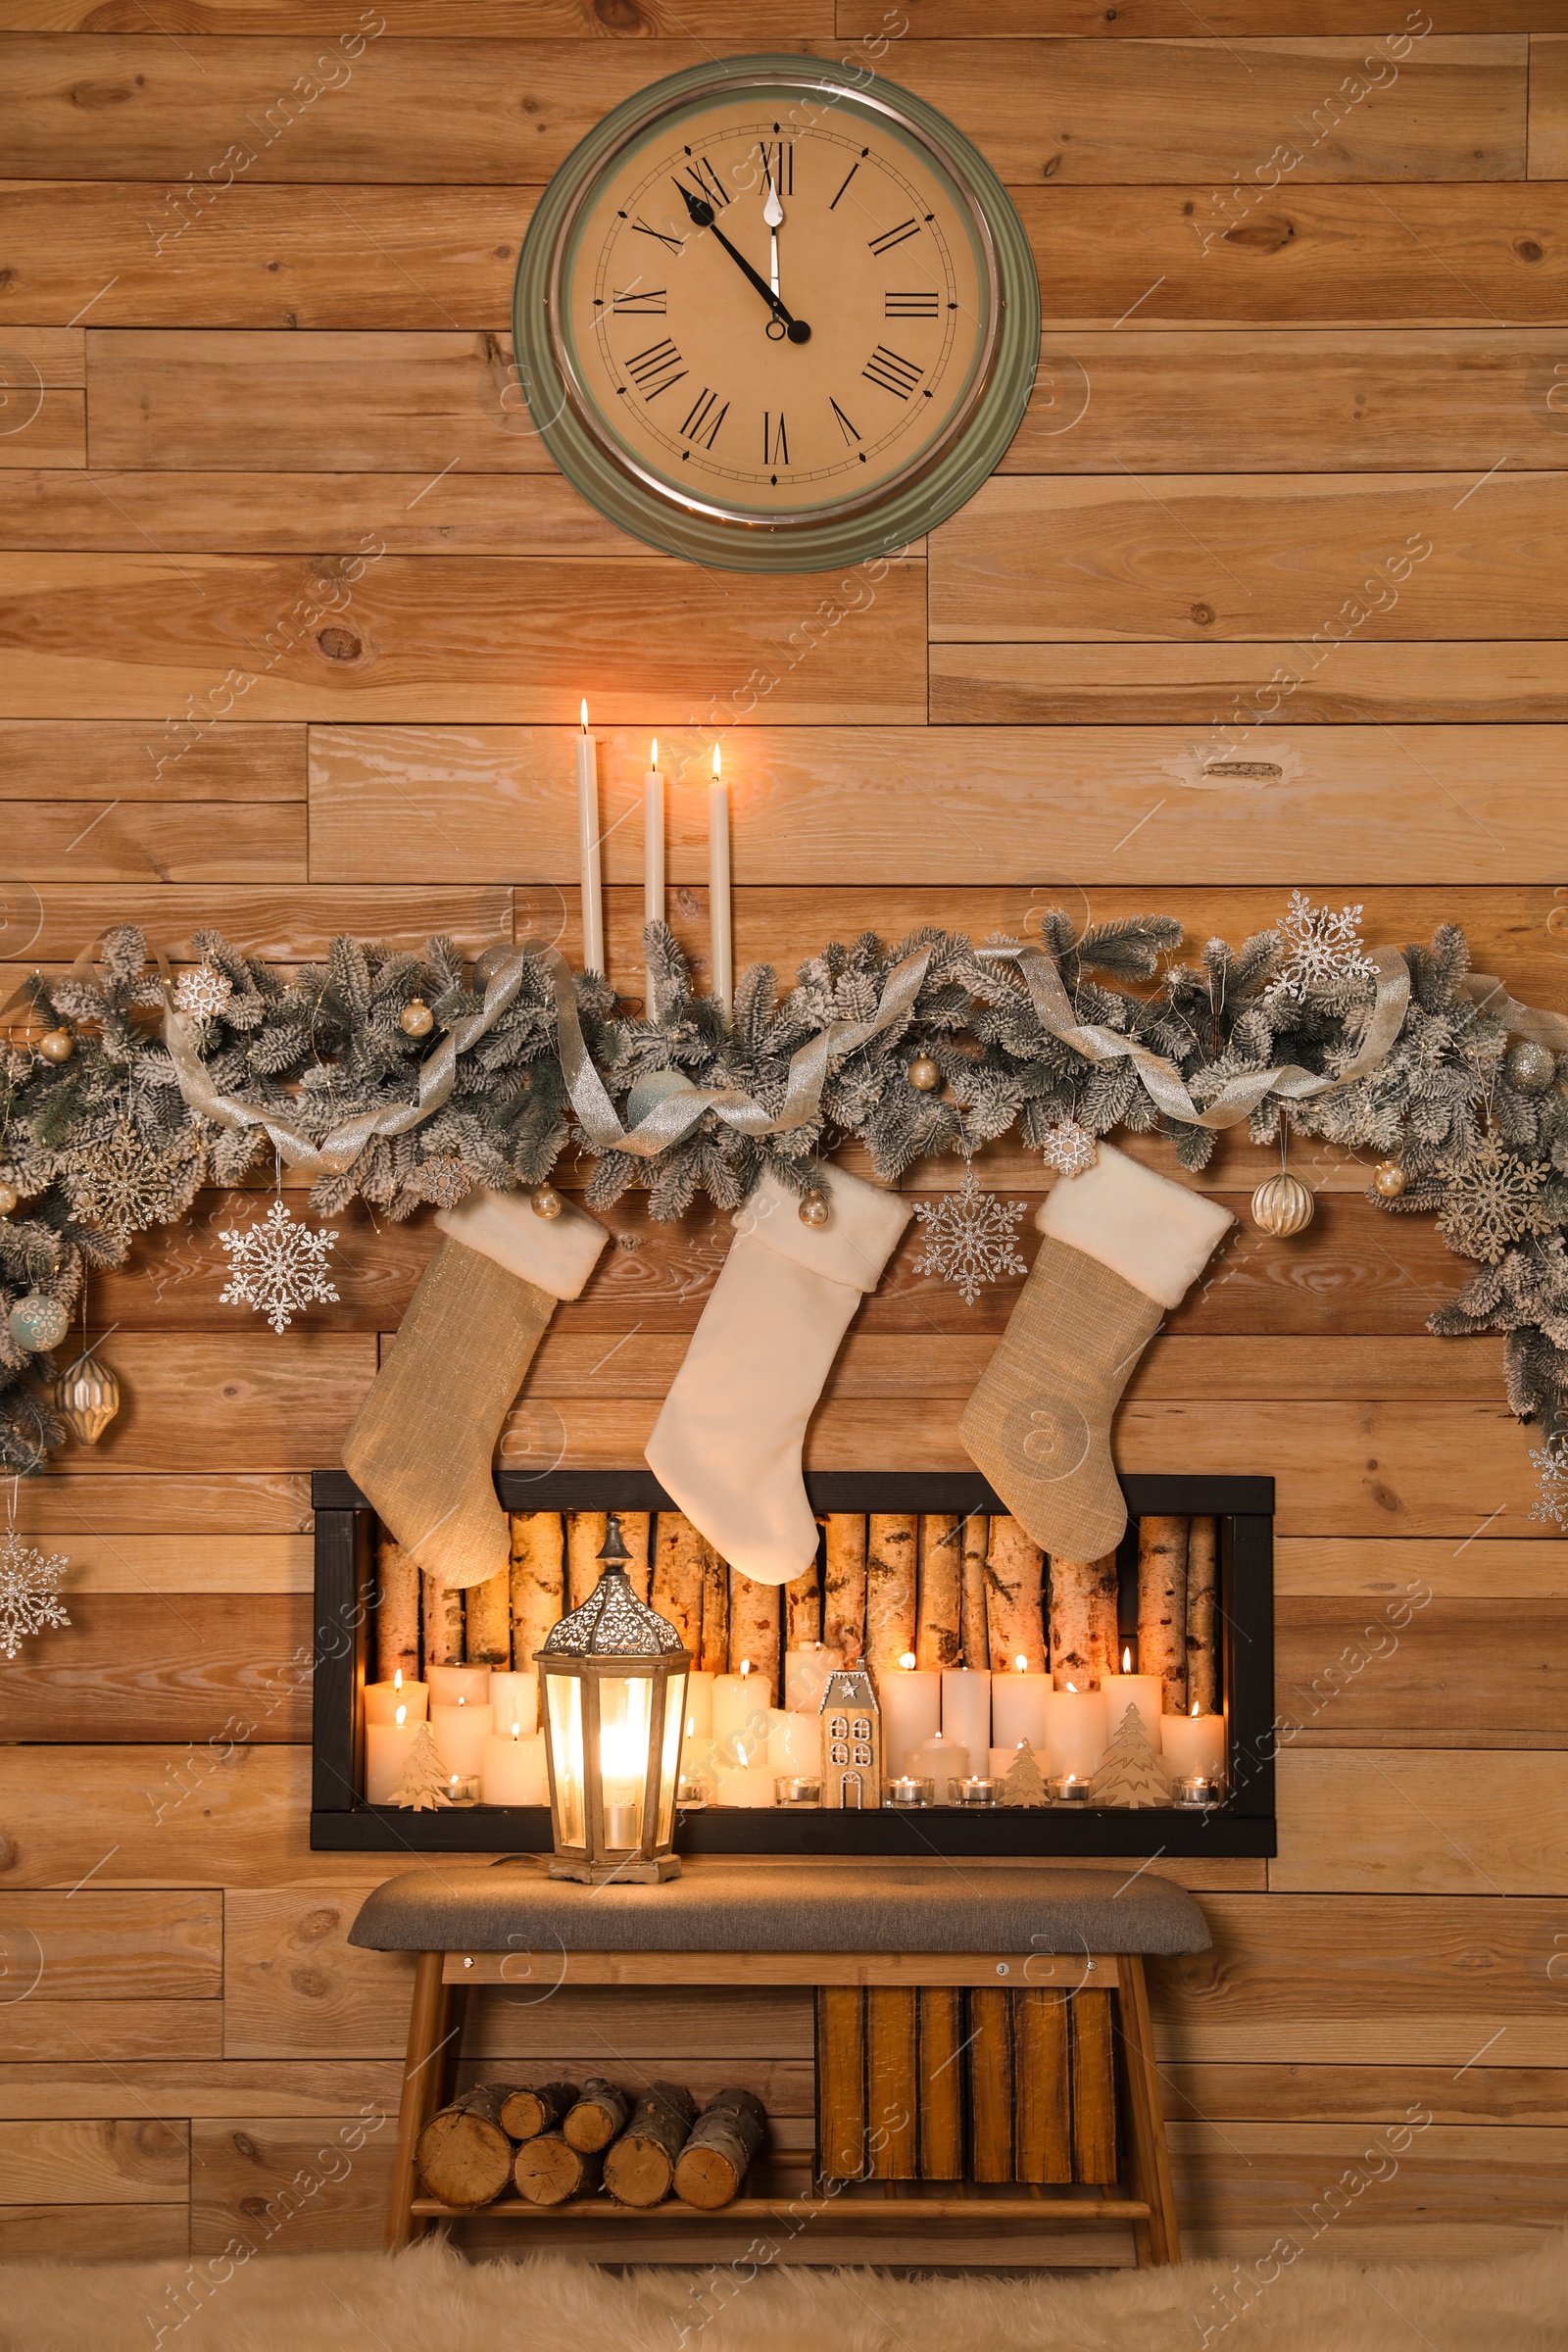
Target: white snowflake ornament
[1489,1200]
[278,1267]
[1550,1506]
[122,1183]
[203,993]
[969,1238]
[28,1599]
[1069,1148]
[1322,950]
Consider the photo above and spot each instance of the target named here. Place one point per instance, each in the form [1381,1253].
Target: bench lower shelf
[867,2202]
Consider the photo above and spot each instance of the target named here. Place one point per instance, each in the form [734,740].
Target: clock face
[759,315]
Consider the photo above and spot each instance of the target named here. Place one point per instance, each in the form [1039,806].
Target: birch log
[599,2115]
[724,2141]
[843,1598]
[892,1547]
[640,2167]
[443,1622]
[538,1593]
[975,1542]
[1203,1601]
[754,1625]
[677,1583]
[549,2170]
[1072,1622]
[463,2156]
[585,1541]
[939,1614]
[1015,1571]
[715,1655]
[802,1610]
[397,1612]
[1104,1639]
[489,1629]
[1162,1606]
[535,2108]
[634,1529]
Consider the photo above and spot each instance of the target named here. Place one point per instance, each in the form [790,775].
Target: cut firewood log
[677,1586]
[713,1657]
[598,2117]
[397,1612]
[844,1593]
[722,2145]
[538,1586]
[549,2170]
[1162,1606]
[939,1628]
[585,1541]
[753,1614]
[525,2113]
[975,1542]
[892,1541]
[634,1534]
[640,2167]
[488,1638]
[1203,1604]
[463,2156]
[443,1622]
[802,1610]
[1105,1640]
[1014,1599]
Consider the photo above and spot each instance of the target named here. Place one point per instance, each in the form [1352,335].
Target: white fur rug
[431,2300]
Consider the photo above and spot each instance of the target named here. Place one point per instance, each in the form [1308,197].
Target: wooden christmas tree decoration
[1023,1784]
[1130,1772]
[423,1785]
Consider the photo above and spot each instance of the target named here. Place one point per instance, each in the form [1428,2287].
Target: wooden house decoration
[852,1741]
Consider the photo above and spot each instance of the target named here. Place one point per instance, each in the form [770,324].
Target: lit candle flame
[1126,1661]
[740,1751]
[516,1730]
[400,1715]
[582,714]
[653,753]
[1197,1707]
[396,1679]
[746,1666]
[1073,1688]
[1020,1664]
[718,765]
[907,1661]
[461,1702]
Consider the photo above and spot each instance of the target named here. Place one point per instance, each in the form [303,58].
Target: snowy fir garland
[98,1141]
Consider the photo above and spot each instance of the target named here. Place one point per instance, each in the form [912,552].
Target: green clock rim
[728,546]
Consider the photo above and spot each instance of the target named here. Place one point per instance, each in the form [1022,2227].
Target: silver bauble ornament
[1389,1179]
[923,1074]
[545,1201]
[417,1019]
[9,1198]
[1530,1067]
[87,1399]
[1283,1206]
[38,1321]
[815,1209]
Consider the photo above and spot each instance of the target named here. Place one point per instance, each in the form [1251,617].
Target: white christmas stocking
[727,1445]
[421,1447]
[1122,1246]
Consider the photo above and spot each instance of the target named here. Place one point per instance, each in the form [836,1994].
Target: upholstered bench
[1030,1971]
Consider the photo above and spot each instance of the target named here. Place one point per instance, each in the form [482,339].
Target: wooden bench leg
[1152,2179]
[434,2026]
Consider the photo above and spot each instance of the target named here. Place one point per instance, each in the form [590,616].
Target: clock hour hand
[702,214]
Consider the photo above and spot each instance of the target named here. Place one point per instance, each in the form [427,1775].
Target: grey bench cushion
[514,1906]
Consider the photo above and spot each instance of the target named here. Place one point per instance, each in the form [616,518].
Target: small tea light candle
[694,1797]
[448,1684]
[515,1700]
[386,1752]
[460,1733]
[800,1791]
[1018,1707]
[1075,1732]
[463,1789]
[512,1769]
[1194,1744]
[1069,1789]
[1144,1692]
[974,1793]
[747,1781]
[1194,1790]
[699,1704]
[966,1708]
[806,1673]
[795,1742]
[908,1792]
[911,1709]
[383,1700]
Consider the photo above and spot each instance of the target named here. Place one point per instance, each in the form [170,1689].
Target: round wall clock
[773,315]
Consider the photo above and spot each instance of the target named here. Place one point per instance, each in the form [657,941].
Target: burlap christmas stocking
[421,1447]
[727,1445]
[1122,1246]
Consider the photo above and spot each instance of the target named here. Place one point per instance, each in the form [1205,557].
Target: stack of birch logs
[954,1591]
[555,2143]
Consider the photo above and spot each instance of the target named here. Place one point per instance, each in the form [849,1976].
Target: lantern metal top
[612,1621]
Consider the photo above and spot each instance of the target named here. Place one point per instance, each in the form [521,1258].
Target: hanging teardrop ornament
[87,1398]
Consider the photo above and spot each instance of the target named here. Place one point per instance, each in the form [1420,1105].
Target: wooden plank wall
[295,619]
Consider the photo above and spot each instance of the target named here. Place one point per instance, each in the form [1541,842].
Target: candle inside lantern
[593,897]
[383,1700]
[1076,1736]
[912,1711]
[1018,1707]
[720,942]
[1144,1692]
[515,1698]
[512,1771]
[966,1709]
[386,1752]
[1194,1746]
[460,1733]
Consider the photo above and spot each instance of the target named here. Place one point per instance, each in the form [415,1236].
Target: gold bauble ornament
[923,1074]
[87,1398]
[815,1209]
[57,1045]
[1389,1179]
[545,1201]
[9,1197]
[1283,1206]
[1529,1066]
[417,1019]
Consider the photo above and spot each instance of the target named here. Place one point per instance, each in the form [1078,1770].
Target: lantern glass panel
[625,1708]
[564,1698]
[669,1759]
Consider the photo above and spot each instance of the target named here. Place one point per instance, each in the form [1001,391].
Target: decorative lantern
[612,1700]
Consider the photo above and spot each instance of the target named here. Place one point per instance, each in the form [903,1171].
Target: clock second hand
[773,214]
[703,218]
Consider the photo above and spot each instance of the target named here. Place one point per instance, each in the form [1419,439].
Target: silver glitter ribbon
[1240,1096]
[1489,995]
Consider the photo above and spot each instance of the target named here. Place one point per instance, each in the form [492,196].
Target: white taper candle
[593,897]
[652,859]
[720,942]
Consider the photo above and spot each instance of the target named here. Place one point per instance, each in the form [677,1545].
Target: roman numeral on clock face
[909,305]
[895,374]
[778,163]
[637,302]
[705,180]
[701,425]
[847,429]
[640,226]
[895,236]
[775,440]
[655,369]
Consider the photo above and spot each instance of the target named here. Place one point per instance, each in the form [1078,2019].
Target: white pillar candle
[749,1780]
[700,1704]
[806,1673]
[941,1760]
[1194,1744]
[1144,1692]
[383,1700]
[448,1684]
[720,942]
[1075,1732]
[460,1733]
[1003,1760]
[966,1709]
[514,1697]
[740,1708]
[910,1699]
[593,897]
[386,1752]
[653,861]
[795,1744]
[1018,1707]
[512,1768]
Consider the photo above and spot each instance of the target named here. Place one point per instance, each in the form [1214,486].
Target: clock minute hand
[702,214]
